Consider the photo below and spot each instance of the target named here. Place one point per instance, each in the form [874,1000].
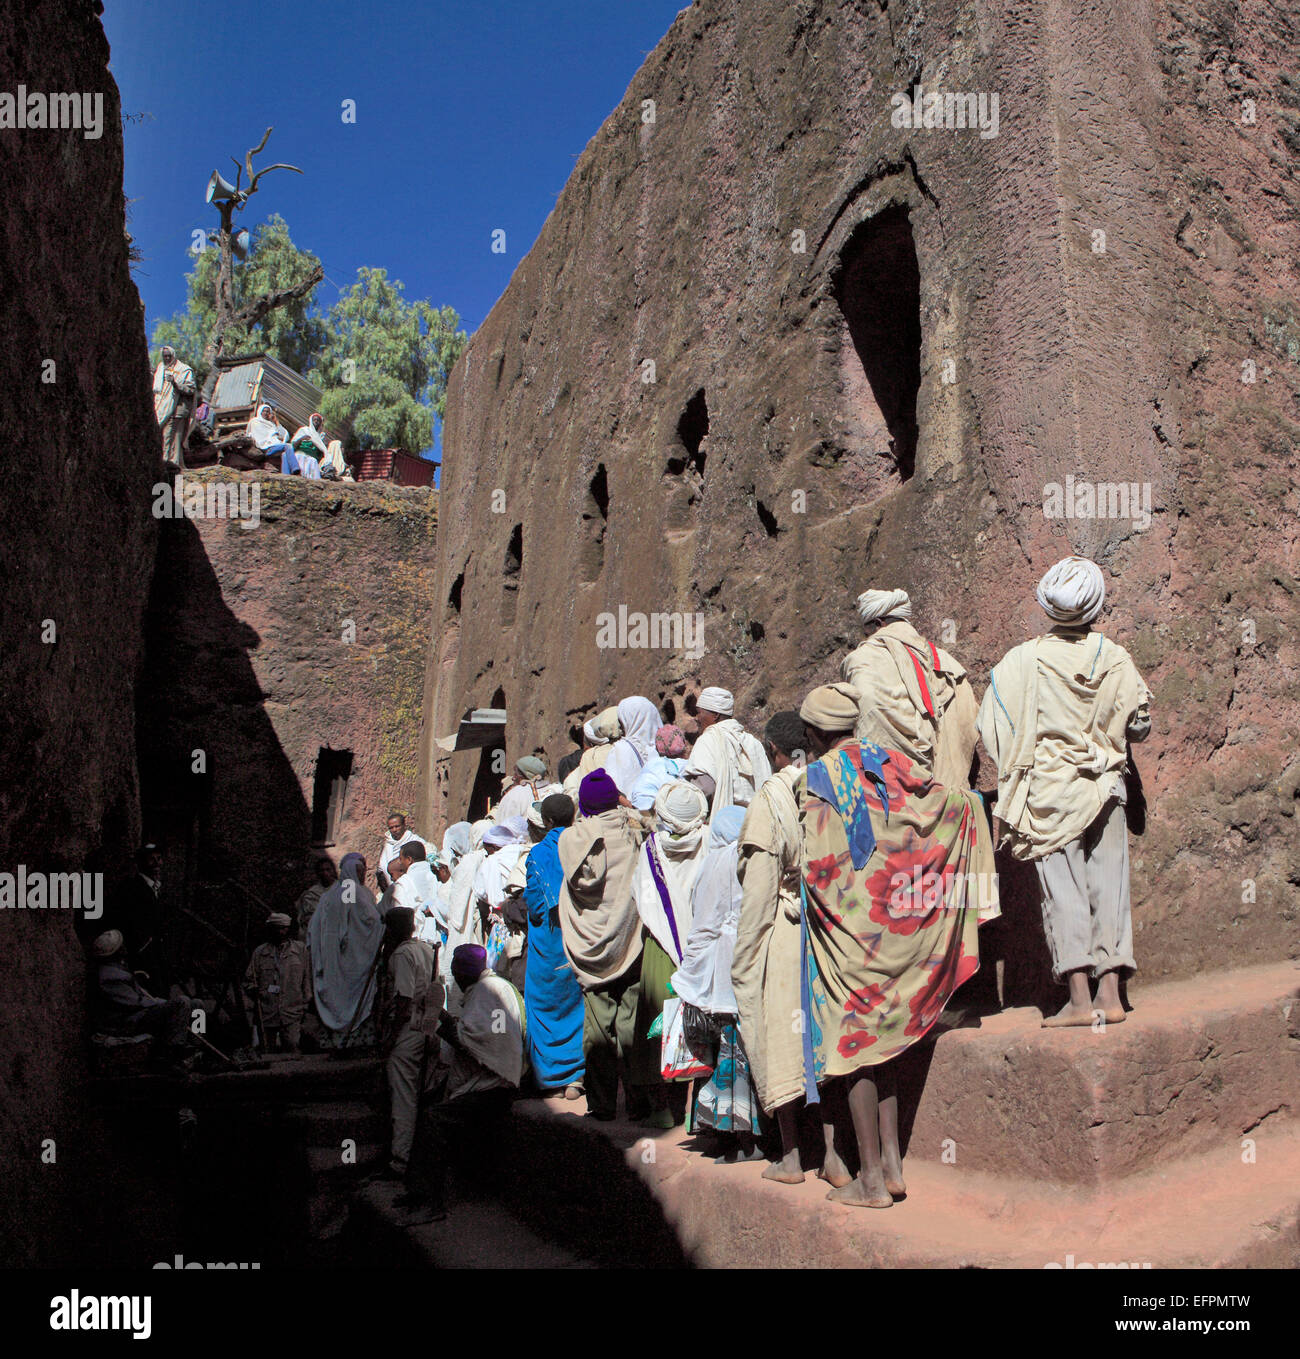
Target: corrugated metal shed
[245,379]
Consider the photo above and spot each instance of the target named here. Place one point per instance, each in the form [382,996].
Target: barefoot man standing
[1057,718]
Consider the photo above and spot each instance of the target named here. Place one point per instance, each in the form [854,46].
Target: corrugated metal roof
[246,378]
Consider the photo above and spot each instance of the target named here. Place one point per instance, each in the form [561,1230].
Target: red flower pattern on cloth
[851,1044]
[865,999]
[909,888]
[944,979]
[823,872]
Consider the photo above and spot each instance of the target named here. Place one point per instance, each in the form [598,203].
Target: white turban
[680,807]
[499,836]
[603,728]
[715,700]
[874,604]
[1073,591]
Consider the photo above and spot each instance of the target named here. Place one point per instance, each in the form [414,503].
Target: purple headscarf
[468,961]
[597,793]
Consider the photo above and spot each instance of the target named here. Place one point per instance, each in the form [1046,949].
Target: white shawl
[734,760]
[307,432]
[491,1028]
[639,719]
[677,856]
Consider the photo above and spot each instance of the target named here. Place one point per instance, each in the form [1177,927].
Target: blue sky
[470,117]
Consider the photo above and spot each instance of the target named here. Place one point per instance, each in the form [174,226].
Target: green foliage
[293,333]
[381,361]
[384,367]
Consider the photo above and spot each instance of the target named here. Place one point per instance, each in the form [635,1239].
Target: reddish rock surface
[76,551]
[573,487]
[268,646]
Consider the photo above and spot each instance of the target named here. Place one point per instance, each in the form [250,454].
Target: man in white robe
[518,798]
[727,763]
[1058,717]
[173,390]
[395,837]
[916,699]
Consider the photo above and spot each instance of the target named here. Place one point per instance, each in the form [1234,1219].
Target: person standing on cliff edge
[1057,718]
[173,390]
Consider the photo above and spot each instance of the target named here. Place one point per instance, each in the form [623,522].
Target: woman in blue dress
[551,991]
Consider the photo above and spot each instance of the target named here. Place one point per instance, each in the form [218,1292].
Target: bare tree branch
[248,159]
[252,188]
[252,312]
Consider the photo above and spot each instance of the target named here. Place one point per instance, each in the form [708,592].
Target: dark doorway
[692,429]
[491,769]
[595,519]
[878,288]
[511,568]
[329,794]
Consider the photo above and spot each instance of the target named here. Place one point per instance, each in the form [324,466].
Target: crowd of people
[726,929]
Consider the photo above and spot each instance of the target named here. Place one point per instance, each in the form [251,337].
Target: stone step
[1195,1064]
[328,1160]
[1211,1209]
[478,1235]
[324,1125]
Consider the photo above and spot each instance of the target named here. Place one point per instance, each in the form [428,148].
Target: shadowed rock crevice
[684,469]
[511,569]
[595,521]
[877,285]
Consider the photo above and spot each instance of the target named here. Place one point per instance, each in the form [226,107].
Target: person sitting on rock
[123,1008]
[1057,718]
[270,437]
[309,448]
[485,1051]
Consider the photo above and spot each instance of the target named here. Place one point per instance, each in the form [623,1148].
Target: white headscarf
[1073,591]
[307,431]
[874,604]
[717,700]
[456,843]
[264,431]
[681,810]
[639,719]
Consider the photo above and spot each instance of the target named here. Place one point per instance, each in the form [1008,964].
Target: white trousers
[1086,914]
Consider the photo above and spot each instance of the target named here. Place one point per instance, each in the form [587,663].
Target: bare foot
[787,1170]
[834,1171]
[894,1180]
[867,1191]
[1071,1017]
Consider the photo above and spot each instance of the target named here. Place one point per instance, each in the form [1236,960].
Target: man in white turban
[1058,716]
[598,737]
[916,699]
[727,762]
